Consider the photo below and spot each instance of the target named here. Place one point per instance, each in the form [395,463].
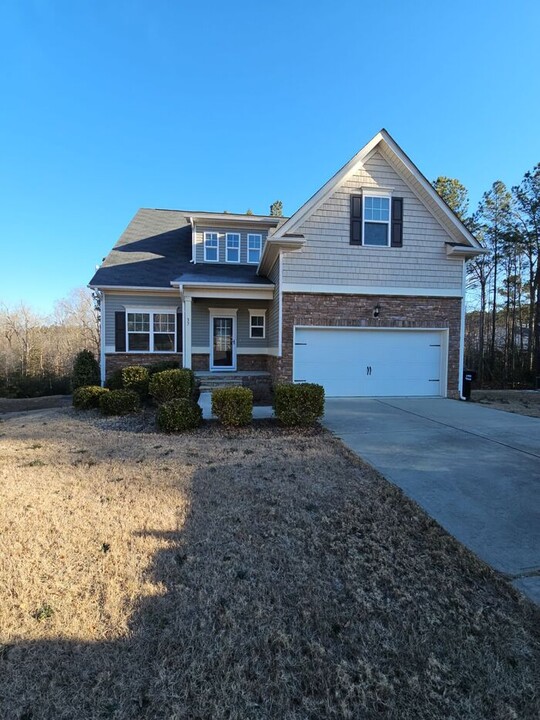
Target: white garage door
[373,363]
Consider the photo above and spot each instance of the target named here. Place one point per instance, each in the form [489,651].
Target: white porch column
[186,345]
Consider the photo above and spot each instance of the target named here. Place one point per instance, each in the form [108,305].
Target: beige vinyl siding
[273,311]
[222,233]
[115,303]
[328,258]
[200,321]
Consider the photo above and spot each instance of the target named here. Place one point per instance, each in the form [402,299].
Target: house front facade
[361,290]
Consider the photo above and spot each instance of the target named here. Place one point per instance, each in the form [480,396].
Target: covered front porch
[228,330]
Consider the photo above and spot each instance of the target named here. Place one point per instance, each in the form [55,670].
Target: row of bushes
[294,405]
[174,391]
[86,373]
[160,382]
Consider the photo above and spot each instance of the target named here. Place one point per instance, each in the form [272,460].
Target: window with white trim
[257,323]
[211,247]
[232,248]
[254,246]
[151,331]
[376,220]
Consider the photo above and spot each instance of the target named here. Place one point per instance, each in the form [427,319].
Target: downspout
[280,305]
[103,374]
[462,331]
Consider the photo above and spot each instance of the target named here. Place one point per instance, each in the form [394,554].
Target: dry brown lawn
[522,402]
[254,574]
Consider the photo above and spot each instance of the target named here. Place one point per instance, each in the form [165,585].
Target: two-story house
[361,290]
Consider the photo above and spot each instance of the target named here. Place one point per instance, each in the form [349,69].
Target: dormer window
[211,247]
[232,248]
[254,246]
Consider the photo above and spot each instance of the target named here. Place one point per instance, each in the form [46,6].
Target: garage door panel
[380,363]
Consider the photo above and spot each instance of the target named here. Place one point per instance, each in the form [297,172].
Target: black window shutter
[179,332]
[397,222]
[356,220]
[120,331]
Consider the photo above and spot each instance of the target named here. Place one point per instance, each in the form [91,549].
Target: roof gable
[407,170]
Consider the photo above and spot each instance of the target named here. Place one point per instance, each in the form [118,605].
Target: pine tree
[276,209]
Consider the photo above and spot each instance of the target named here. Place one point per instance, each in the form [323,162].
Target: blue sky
[108,106]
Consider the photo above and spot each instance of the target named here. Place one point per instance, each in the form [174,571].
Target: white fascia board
[465,251]
[232,219]
[131,289]
[274,247]
[367,290]
[382,137]
[326,190]
[429,189]
[238,293]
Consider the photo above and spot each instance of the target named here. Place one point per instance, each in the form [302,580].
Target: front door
[223,344]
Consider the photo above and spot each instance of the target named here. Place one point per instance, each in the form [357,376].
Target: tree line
[37,351]
[502,334]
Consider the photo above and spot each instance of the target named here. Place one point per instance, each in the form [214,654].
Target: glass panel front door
[223,355]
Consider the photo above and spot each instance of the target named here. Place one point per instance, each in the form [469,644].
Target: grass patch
[260,574]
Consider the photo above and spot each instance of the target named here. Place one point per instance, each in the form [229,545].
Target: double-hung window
[151,331]
[257,323]
[376,220]
[232,248]
[211,247]
[254,245]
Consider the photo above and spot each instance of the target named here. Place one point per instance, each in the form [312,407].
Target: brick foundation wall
[243,362]
[357,311]
[116,361]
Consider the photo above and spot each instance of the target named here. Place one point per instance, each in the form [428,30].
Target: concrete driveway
[474,469]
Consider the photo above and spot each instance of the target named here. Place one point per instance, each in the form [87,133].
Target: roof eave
[274,246]
[231,218]
[464,251]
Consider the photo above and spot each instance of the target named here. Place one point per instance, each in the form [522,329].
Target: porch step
[258,381]
[208,384]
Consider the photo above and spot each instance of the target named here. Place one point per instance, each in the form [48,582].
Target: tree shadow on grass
[295,590]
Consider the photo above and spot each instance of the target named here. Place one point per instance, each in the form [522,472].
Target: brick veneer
[115,361]
[357,311]
[243,362]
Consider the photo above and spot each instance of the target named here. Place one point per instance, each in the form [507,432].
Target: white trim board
[383,139]
[202,350]
[365,290]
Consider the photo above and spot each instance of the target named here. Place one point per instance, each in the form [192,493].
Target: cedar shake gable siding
[328,258]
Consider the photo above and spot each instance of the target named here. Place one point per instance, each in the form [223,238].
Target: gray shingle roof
[206,273]
[155,249]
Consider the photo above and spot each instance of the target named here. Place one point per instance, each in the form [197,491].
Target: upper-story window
[232,248]
[376,220]
[254,246]
[211,247]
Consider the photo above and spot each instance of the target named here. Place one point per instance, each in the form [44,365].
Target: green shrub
[85,398]
[178,415]
[233,406]
[119,402]
[85,370]
[301,404]
[136,378]
[114,381]
[171,384]
[163,365]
